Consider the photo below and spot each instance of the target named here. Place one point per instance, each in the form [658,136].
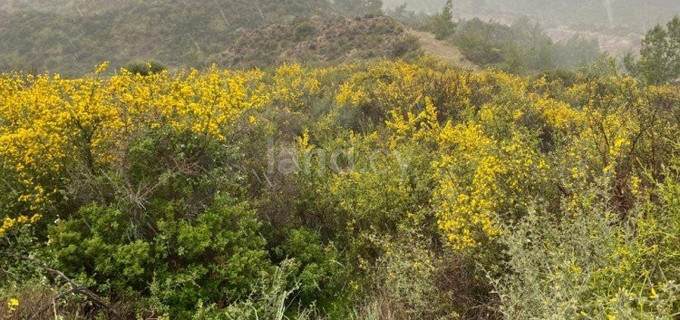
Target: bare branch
[76,287]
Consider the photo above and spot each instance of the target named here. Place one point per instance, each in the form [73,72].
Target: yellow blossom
[12,304]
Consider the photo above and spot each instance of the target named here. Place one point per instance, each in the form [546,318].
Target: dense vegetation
[387,190]
[350,177]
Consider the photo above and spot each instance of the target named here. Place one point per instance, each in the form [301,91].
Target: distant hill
[70,36]
[328,40]
[83,7]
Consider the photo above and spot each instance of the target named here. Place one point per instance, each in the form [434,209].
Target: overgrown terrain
[321,41]
[333,170]
[386,190]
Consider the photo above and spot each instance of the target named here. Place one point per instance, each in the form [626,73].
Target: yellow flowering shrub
[10,223]
[481,181]
[52,126]
[292,84]
[349,162]
[402,88]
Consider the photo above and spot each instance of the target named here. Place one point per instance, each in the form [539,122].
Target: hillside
[69,38]
[81,7]
[320,41]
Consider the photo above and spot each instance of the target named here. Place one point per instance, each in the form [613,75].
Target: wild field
[386,190]
[334,165]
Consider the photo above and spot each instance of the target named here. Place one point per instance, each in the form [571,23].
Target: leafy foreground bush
[588,264]
[385,190]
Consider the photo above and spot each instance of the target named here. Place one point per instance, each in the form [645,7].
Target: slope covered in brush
[330,40]
[70,38]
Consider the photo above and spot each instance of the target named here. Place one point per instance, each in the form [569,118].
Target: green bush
[304,31]
[165,222]
[145,69]
[182,260]
[583,262]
